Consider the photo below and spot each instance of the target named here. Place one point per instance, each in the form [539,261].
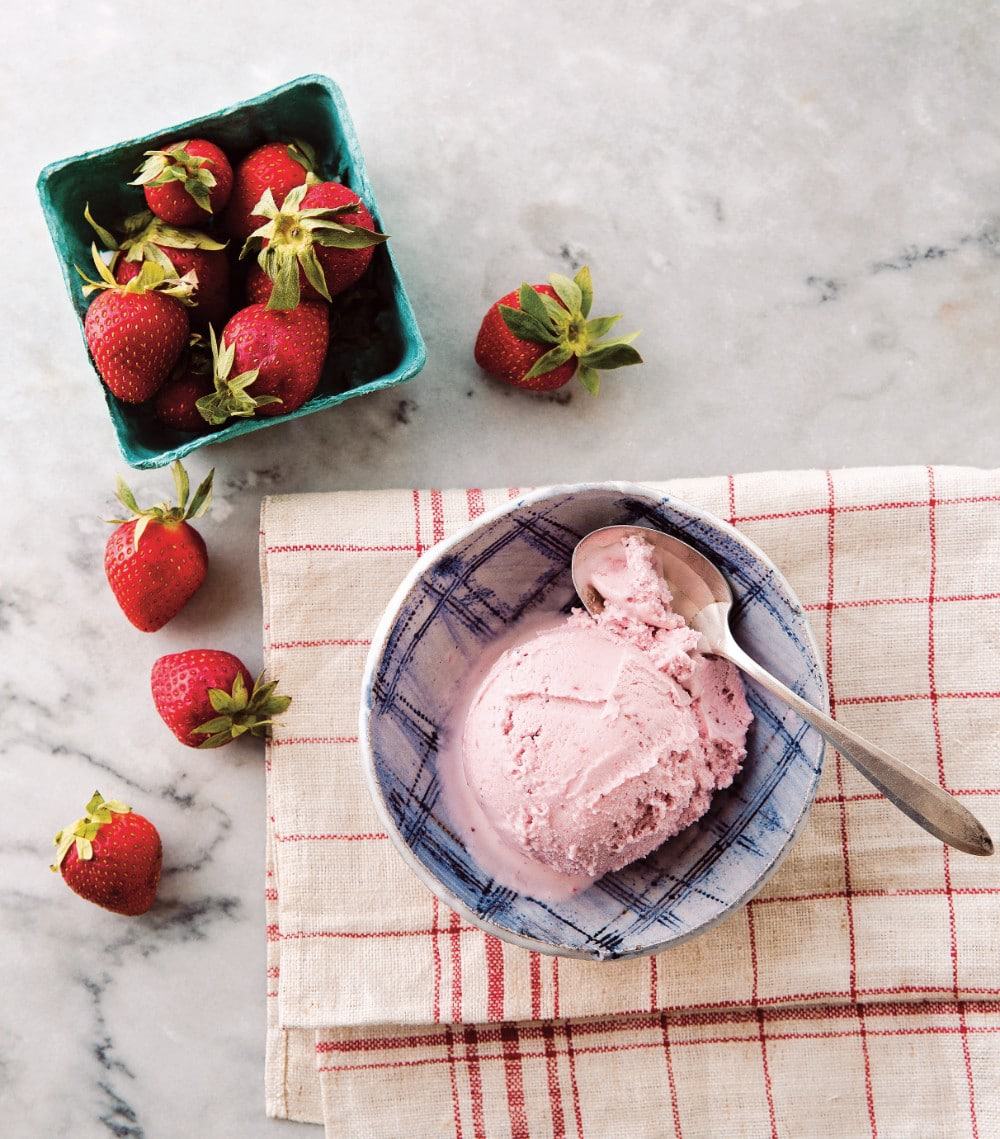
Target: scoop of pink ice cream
[590,744]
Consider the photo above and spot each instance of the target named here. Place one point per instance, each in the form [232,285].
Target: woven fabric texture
[858,994]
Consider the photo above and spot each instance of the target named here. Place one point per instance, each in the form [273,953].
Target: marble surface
[799,203]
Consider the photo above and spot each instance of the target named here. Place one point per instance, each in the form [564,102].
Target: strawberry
[276,166]
[207,698]
[286,348]
[156,561]
[136,331]
[179,251]
[185,182]
[227,396]
[316,245]
[111,857]
[211,270]
[538,337]
[202,394]
[175,405]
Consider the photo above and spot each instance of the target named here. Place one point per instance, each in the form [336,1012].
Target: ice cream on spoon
[701,595]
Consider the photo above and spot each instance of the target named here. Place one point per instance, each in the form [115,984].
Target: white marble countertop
[798,203]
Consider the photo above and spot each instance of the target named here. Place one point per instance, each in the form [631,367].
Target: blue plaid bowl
[462,594]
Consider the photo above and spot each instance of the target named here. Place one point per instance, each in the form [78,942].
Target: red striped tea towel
[858,995]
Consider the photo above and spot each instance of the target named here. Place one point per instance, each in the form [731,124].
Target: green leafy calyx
[305,155]
[145,237]
[165,512]
[152,277]
[176,164]
[568,329]
[230,397]
[239,711]
[287,241]
[83,832]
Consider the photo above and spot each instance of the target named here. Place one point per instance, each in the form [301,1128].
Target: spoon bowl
[694,581]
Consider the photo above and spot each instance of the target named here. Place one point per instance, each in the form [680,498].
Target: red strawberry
[136,331]
[510,358]
[227,396]
[537,338]
[179,251]
[211,295]
[276,166]
[185,182]
[286,348]
[111,857]
[207,697]
[156,561]
[316,245]
[176,403]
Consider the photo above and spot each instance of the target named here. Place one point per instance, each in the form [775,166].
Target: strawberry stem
[565,326]
[83,831]
[175,164]
[239,711]
[145,236]
[230,397]
[152,277]
[164,512]
[287,242]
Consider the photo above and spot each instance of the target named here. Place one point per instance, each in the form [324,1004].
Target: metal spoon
[703,598]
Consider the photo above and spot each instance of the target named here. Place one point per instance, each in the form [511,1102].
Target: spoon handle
[926,803]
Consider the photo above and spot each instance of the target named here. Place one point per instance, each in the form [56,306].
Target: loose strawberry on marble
[156,561]
[540,336]
[146,237]
[316,244]
[275,166]
[137,330]
[185,182]
[111,857]
[207,697]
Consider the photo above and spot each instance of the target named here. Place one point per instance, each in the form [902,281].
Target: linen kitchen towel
[857,995]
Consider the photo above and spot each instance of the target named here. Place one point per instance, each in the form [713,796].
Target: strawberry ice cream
[590,743]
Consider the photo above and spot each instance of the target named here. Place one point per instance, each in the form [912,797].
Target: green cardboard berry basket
[374,343]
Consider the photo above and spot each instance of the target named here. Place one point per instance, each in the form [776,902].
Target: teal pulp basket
[375,342]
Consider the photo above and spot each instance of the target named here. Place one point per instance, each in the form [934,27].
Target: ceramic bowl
[516,560]
[385,350]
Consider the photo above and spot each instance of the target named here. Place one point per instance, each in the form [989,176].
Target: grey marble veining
[799,204]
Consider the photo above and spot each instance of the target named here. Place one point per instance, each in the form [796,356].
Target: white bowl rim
[381,636]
